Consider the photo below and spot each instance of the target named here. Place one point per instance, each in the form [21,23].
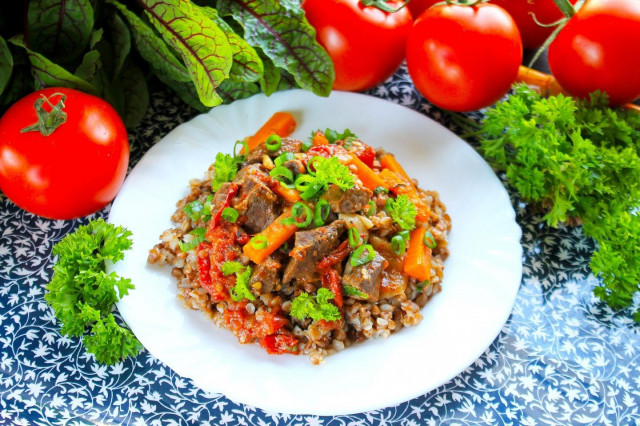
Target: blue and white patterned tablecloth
[562,358]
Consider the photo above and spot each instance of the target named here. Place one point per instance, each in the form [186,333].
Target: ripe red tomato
[74,171]
[365,43]
[417,7]
[463,58]
[598,50]
[545,11]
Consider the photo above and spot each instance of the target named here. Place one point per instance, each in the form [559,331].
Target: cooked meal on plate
[306,246]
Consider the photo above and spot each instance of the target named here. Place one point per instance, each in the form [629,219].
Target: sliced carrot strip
[417,262]
[319,139]
[275,234]
[369,178]
[388,161]
[290,194]
[281,123]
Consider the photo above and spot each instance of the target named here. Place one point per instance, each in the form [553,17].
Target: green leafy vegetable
[241,290]
[332,171]
[198,237]
[6,64]
[579,161]
[225,169]
[350,290]
[402,211]
[283,33]
[315,307]
[82,294]
[333,136]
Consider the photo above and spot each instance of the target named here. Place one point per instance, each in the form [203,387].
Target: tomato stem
[565,7]
[48,121]
[382,5]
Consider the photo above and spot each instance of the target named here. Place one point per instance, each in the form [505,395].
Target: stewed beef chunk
[255,199]
[288,145]
[310,248]
[350,201]
[366,278]
[266,273]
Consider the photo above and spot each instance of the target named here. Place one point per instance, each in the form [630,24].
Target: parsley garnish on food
[241,290]
[333,136]
[82,294]
[331,170]
[402,211]
[315,307]
[579,161]
[225,169]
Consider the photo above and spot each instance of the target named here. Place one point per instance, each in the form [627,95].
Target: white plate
[481,279]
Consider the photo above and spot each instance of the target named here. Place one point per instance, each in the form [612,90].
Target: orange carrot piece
[319,139]
[388,161]
[417,263]
[369,178]
[542,83]
[281,123]
[398,185]
[276,234]
[289,194]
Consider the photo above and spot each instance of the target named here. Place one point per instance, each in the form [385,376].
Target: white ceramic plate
[481,279]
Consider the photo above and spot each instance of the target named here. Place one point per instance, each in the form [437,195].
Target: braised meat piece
[350,201]
[255,199]
[288,145]
[266,273]
[366,278]
[309,249]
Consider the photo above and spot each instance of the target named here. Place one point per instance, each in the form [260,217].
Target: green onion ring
[230,214]
[259,242]
[273,142]
[372,208]
[244,148]
[310,164]
[405,235]
[380,189]
[282,158]
[281,173]
[321,213]
[354,238]
[357,258]
[303,182]
[296,213]
[398,245]
[312,191]
[429,240]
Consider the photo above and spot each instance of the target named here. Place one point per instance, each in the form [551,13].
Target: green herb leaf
[232,267]
[82,294]
[402,211]
[89,67]
[203,45]
[154,49]
[352,291]
[120,40]
[283,33]
[47,73]
[225,169]
[241,289]
[315,307]
[6,64]
[59,29]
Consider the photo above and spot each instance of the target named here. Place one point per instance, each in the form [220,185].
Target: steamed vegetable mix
[579,160]
[206,55]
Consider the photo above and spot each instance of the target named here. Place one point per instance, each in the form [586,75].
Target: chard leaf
[185,91]
[270,78]
[152,47]
[136,95]
[59,29]
[231,90]
[6,64]
[47,74]
[281,30]
[20,84]
[120,41]
[247,65]
[96,36]
[90,65]
[202,44]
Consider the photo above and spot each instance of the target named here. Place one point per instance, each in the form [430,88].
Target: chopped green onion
[273,142]
[421,285]
[359,258]
[230,214]
[312,191]
[206,211]
[405,235]
[398,245]
[306,145]
[354,238]
[303,182]
[199,237]
[283,175]
[321,213]
[297,211]
[372,208]
[310,164]
[429,240]
[194,209]
[281,159]
[350,290]
[242,153]
[259,242]
[380,189]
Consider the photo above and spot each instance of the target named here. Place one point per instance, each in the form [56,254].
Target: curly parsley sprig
[82,294]
[580,161]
